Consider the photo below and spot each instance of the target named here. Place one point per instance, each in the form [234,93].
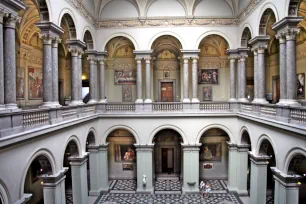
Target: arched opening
[266,149]
[167,160]
[70,151]
[213,83]
[297,166]
[167,77]
[39,168]
[246,140]
[122,162]
[272,87]
[120,72]
[90,141]
[214,158]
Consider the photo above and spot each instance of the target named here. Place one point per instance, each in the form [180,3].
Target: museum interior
[143,101]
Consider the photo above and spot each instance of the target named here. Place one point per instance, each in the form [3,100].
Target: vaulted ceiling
[110,9]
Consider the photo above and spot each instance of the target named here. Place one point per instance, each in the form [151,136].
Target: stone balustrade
[20,121]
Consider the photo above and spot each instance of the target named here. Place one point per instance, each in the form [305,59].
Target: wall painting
[35,83]
[211,152]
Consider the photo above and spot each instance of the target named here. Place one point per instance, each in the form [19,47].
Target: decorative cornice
[82,10]
[248,10]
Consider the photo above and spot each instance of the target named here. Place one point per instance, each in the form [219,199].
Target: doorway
[168,160]
[166,90]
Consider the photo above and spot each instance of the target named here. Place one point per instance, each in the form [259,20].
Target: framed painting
[167,74]
[127,167]
[35,83]
[211,152]
[207,93]
[208,76]
[125,153]
[20,83]
[300,92]
[125,77]
[208,166]
[126,93]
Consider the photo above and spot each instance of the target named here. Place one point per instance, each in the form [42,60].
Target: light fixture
[83,77]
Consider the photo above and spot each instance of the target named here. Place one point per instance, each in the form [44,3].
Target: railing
[118,107]
[268,110]
[35,117]
[246,108]
[298,115]
[215,106]
[162,106]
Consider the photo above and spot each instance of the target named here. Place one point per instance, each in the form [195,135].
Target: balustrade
[167,106]
[113,107]
[222,106]
[298,115]
[35,117]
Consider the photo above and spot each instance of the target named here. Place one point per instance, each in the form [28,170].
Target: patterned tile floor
[122,186]
[168,185]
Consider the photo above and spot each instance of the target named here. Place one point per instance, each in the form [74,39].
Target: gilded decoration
[120,47]
[213,46]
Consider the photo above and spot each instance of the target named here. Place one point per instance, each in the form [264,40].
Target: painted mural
[125,77]
[211,152]
[300,86]
[127,93]
[35,83]
[125,153]
[20,83]
[208,76]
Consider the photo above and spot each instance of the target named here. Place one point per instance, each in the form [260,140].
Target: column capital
[148,60]
[54,180]
[56,41]
[47,38]
[285,179]
[138,60]
[291,33]
[259,160]
[286,23]
[78,161]
[101,56]
[281,36]
[10,21]
[75,46]
[2,15]
[190,54]
[191,147]
[51,29]
[148,147]
[195,60]
[92,54]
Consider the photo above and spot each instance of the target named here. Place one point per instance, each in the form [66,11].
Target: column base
[148,100]
[139,101]
[92,101]
[76,103]
[282,102]
[232,100]
[94,193]
[186,100]
[195,100]
[292,102]
[243,100]
[56,104]
[12,107]
[103,101]
[260,101]
[145,191]
[243,192]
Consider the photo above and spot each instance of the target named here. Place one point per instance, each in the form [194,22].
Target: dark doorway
[167,160]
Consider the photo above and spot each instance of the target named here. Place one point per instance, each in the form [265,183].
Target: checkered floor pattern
[168,185]
[166,199]
[270,200]
[122,186]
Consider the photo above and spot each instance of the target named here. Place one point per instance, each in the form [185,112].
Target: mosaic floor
[123,186]
[168,185]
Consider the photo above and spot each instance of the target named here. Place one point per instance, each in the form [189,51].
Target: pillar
[148,80]
[238,77]
[255,75]
[242,169]
[75,69]
[232,167]
[258,191]
[94,170]
[103,160]
[191,168]
[291,66]
[233,77]
[144,168]
[10,62]
[92,76]
[139,81]
[55,71]
[282,68]
[243,54]
[101,65]
[54,188]
[79,179]
[1,62]
[80,83]
[186,80]
[195,98]
[286,187]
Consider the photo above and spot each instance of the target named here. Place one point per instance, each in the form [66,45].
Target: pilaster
[242,169]
[233,160]
[94,170]
[103,160]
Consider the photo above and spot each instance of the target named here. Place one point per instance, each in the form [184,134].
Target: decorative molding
[82,10]
[248,10]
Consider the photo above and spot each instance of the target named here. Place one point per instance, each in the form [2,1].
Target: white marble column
[238,78]
[255,75]
[55,99]
[186,80]
[139,80]
[92,78]
[195,98]
[54,188]
[261,76]
[75,77]
[243,79]
[291,67]
[148,80]
[80,83]
[1,62]
[233,78]
[10,63]
[282,68]
[101,64]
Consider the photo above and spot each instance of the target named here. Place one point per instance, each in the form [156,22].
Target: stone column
[242,169]
[238,77]
[92,76]
[195,98]
[261,76]
[232,167]
[186,80]
[55,71]
[233,55]
[10,63]
[101,64]
[54,188]
[75,69]
[242,76]
[148,80]
[282,68]
[1,62]
[79,179]
[144,168]
[291,66]
[191,168]
[255,75]
[103,160]
[139,81]
[94,170]
[258,191]
[286,187]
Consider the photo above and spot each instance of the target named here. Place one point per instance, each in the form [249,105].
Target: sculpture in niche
[211,152]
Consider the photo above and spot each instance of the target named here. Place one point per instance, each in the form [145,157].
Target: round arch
[89,29]
[4,193]
[77,142]
[120,35]
[259,142]
[242,130]
[263,9]
[70,13]
[213,32]
[49,13]
[121,127]
[41,152]
[94,132]
[163,127]
[245,26]
[225,129]
[290,155]
[179,38]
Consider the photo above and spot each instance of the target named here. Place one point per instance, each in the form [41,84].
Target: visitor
[207,189]
[202,186]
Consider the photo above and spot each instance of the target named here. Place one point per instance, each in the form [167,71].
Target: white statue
[144,180]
